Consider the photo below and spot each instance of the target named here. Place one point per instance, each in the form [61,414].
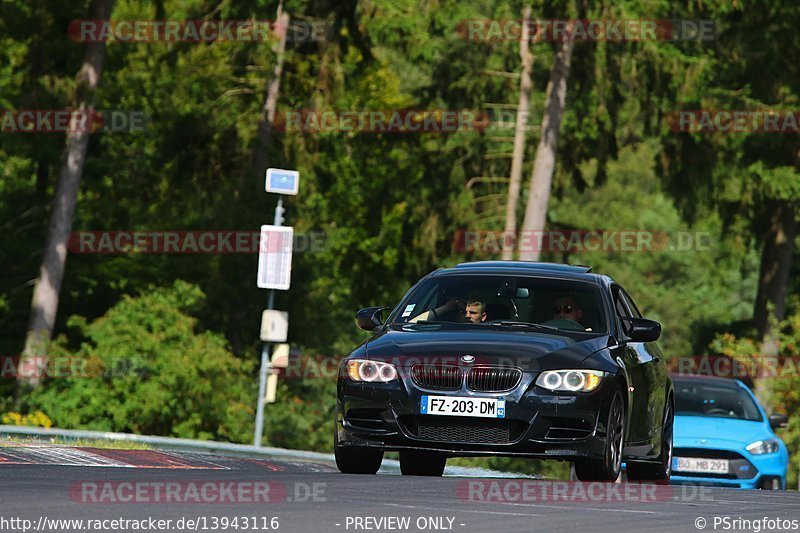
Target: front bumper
[747,471]
[537,423]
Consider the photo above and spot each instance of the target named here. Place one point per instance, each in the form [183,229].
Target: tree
[525,85]
[545,162]
[751,177]
[48,285]
[267,117]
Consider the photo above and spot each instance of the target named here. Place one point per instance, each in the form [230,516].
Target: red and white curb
[87,457]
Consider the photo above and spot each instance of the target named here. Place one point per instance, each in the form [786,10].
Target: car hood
[705,431]
[527,349]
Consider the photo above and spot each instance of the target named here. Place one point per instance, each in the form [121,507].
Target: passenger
[567,308]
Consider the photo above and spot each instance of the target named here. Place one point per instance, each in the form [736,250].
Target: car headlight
[761,447]
[371,371]
[570,380]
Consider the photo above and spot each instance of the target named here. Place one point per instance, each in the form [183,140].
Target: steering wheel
[718,411]
[565,323]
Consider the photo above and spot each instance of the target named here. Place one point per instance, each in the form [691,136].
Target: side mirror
[778,421]
[642,329]
[370,318]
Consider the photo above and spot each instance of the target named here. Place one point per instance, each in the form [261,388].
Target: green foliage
[302,415]
[35,419]
[390,205]
[779,381]
[149,371]
[683,259]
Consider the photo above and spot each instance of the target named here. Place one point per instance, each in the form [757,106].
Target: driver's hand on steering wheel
[455,303]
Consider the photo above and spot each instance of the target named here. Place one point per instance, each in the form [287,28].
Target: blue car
[723,437]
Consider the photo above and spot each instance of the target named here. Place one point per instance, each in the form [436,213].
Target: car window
[562,304]
[620,305]
[634,311]
[698,398]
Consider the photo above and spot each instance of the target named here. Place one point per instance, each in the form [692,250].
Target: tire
[607,468]
[661,470]
[772,484]
[419,463]
[355,460]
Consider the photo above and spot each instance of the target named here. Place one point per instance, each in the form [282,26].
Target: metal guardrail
[166,443]
[224,448]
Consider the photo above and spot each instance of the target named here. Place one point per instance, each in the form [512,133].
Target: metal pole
[265,350]
[262,389]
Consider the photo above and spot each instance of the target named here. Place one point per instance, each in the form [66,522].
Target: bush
[36,419]
[148,371]
[778,387]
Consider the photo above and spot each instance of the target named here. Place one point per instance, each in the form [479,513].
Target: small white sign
[274,325]
[280,356]
[282,181]
[275,257]
[272,388]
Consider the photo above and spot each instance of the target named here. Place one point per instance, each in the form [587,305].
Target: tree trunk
[48,285]
[268,110]
[776,261]
[525,85]
[544,164]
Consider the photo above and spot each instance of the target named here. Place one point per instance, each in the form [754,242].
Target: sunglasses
[566,308]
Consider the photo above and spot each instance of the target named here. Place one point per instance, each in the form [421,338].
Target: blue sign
[282,181]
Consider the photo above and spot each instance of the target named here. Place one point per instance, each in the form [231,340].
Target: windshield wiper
[517,324]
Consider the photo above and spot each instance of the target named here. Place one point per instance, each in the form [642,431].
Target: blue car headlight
[762,447]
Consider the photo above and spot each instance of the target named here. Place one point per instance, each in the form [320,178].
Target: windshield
[506,300]
[698,398]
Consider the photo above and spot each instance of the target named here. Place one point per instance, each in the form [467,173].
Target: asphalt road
[310,497]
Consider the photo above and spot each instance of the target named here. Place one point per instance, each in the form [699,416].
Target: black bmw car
[508,358]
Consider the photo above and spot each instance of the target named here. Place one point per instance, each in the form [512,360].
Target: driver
[466,311]
[567,308]
[475,311]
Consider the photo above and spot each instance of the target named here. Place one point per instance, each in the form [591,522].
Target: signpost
[274,326]
[282,181]
[274,273]
[275,257]
[280,359]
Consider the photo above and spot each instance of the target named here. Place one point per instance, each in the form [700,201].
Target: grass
[12,441]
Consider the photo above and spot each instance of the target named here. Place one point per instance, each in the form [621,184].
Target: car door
[654,371]
[638,428]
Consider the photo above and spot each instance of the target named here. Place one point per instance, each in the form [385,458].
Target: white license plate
[463,406]
[701,466]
